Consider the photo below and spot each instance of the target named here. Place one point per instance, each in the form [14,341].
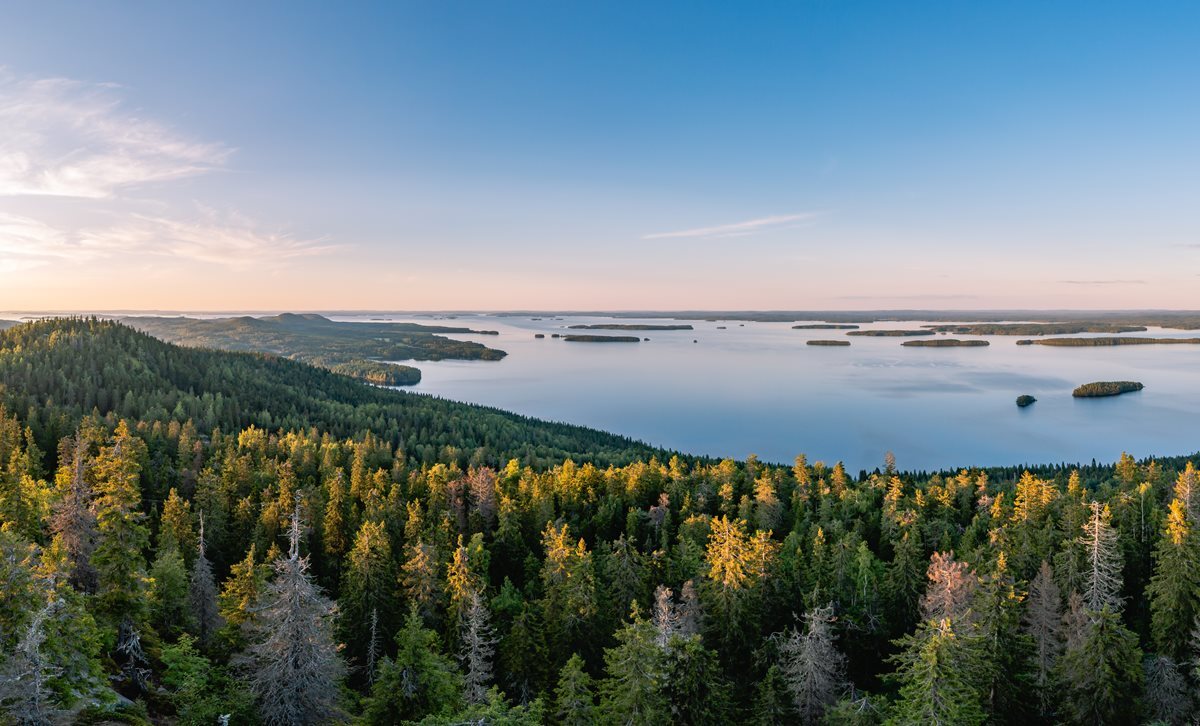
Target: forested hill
[53,371]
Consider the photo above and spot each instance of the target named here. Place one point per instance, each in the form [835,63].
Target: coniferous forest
[199,537]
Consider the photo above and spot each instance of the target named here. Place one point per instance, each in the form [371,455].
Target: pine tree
[812,668]
[1174,589]
[296,665]
[574,697]
[418,682]
[202,594]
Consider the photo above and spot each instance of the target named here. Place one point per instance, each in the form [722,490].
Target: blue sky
[599,155]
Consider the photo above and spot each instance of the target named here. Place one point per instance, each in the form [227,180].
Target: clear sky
[599,155]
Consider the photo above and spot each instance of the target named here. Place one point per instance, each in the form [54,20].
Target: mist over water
[757,388]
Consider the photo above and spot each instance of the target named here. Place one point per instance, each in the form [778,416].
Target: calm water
[756,388]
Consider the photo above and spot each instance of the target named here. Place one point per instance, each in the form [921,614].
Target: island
[1105,342]
[602,338]
[628,326]
[1106,388]
[359,350]
[539,335]
[840,343]
[824,326]
[890,333]
[1037,328]
[945,343]
[1025,400]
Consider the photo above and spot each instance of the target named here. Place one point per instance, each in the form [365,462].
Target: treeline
[54,372]
[152,570]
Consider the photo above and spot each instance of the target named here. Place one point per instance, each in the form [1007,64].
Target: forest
[359,350]
[188,535]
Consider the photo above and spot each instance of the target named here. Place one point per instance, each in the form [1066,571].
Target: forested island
[945,343]
[1036,328]
[359,350]
[840,343]
[1108,341]
[891,333]
[824,326]
[187,534]
[629,326]
[1106,388]
[601,338]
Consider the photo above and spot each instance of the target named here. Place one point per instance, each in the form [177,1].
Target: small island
[1106,388]
[891,333]
[945,343]
[628,326]
[841,343]
[539,335]
[1025,400]
[824,326]
[1105,342]
[601,338]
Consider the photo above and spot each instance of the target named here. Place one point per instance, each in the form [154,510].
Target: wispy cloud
[67,138]
[737,229]
[1102,282]
[231,241]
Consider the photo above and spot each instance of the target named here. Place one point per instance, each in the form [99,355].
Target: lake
[757,388]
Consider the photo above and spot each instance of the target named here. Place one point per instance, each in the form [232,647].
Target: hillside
[359,350]
[64,368]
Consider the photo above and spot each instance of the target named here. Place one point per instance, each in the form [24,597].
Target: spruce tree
[419,681]
[123,536]
[202,594]
[1174,589]
[937,671]
[1101,674]
[631,692]
[574,697]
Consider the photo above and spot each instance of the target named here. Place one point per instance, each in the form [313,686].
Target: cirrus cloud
[737,229]
[66,138]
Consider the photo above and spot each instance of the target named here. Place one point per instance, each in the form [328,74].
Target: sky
[829,154]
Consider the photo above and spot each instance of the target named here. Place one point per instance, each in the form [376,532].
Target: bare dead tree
[1043,622]
[1102,576]
[24,692]
[478,645]
[691,616]
[951,588]
[295,664]
[1167,695]
[481,491]
[813,669]
[665,616]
